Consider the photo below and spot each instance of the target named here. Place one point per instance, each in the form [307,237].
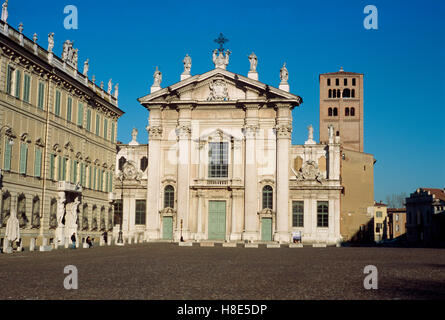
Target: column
[199,233]
[154,185]
[250,175]
[183,131]
[235,235]
[283,131]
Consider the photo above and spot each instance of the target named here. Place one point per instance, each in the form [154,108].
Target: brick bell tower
[341,104]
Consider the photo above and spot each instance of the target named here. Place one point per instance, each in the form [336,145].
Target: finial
[93,79]
[34,38]
[21,27]
[341,69]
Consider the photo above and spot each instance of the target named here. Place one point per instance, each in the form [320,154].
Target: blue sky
[403,62]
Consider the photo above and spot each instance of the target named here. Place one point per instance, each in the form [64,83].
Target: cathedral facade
[219,164]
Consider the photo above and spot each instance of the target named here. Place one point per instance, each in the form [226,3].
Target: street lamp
[120,240]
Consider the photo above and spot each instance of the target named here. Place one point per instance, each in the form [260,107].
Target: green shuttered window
[38,163]
[7,160]
[80,115]
[89,119]
[18,83]
[9,80]
[57,104]
[97,124]
[105,129]
[27,88]
[69,109]
[41,95]
[52,162]
[23,158]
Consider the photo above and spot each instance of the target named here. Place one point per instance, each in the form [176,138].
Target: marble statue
[311,132]
[187,64]
[220,60]
[86,67]
[5,11]
[116,90]
[284,74]
[102,85]
[331,133]
[60,211]
[134,134]
[75,57]
[157,78]
[50,42]
[34,38]
[12,232]
[110,86]
[253,62]
[71,218]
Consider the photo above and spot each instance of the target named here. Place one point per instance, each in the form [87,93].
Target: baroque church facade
[219,164]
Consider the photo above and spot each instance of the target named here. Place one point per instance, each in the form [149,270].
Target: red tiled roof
[438,193]
[399,210]
[342,73]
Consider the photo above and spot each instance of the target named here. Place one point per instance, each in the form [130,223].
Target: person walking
[90,244]
[105,235]
[73,239]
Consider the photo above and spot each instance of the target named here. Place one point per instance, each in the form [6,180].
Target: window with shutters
[89,120]
[80,114]
[41,95]
[69,109]
[7,155]
[27,88]
[57,104]
[52,164]
[94,178]
[38,163]
[9,79]
[23,158]
[113,129]
[106,129]
[18,83]
[97,124]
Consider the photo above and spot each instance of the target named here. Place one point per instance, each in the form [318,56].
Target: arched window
[144,164]
[6,208]
[267,197]
[330,112]
[335,112]
[53,214]
[330,93]
[169,197]
[352,112]
[353,93]
[337,133]
[346,93]
[338,93]
[35,218]
[21,211]
[122,161]
[346,112]
[335,94]
[329,82]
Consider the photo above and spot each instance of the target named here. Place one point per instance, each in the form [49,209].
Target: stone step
[319,245]
[207,244]
[273,245]
[295,245]
[251,245]
[185,244]
[229,245]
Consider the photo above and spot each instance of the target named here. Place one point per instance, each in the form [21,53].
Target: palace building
[219,164]
[57,141]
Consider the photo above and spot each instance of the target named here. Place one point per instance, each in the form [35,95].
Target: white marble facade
[221,166]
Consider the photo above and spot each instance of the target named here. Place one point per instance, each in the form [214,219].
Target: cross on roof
[221,40]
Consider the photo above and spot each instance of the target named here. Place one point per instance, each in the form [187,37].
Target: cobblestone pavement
[167,271]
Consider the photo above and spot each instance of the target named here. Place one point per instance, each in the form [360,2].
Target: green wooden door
[217,220]
[266,229]
[167,228]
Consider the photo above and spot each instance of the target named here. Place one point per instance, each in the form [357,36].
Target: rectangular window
[218,159]
[60,168]
[52,161]
[117,211]
[337,82]
[101,182]
[38,163]
[329,82]
[111,182]
[18,83]
[378,214]
[89,119]
[298,214]
[80,115]
[41,95]
[9,80]
[90,176]
[27,87]
[353,81]
[97,124]
[105,129]
[74,171]
[57,104]
[322,214]
[64,163]
[69,109]
[82,174]
[23,158]
[346,81]
[397,217]
[112,132]
[140,212]
[7,160]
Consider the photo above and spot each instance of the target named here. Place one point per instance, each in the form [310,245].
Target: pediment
[218,86]
[218,135]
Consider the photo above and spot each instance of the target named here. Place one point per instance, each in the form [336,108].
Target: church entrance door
[217,220]
[266,229]
[167,228]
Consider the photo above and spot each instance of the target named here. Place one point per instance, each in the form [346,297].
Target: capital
[183,131]
[283,131]
[154,132]
[250,131]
